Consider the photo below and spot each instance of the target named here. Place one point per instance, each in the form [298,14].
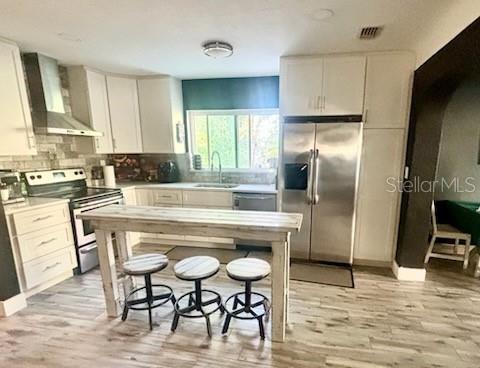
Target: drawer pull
[165,196]
[42,218]
[52,266]
[46,242]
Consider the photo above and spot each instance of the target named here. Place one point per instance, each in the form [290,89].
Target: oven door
[84,232]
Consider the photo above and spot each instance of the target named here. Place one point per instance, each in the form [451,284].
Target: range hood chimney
[48,110]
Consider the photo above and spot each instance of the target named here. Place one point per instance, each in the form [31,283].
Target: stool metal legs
[196,306]
[151,301]
[247,307]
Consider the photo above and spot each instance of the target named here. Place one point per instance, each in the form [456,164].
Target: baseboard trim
[12,305]
[408,274]
[371,263]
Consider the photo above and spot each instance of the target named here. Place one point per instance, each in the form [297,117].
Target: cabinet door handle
[31,141]
[46,242]
[365,116]
[323,102]
[96,143]
[318,104]
[42,218]
[52,266]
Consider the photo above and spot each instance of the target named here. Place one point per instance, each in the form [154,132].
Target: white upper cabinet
[388,89]
[124,114]
[16,136]
[161,115]
[301,83]
[89,102]
[316,86]
[343,85]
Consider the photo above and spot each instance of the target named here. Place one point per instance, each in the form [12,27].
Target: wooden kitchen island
[273,227]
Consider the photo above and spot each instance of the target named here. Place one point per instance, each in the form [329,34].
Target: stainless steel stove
[71,184]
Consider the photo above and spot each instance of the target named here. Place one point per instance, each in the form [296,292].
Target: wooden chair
[448,232]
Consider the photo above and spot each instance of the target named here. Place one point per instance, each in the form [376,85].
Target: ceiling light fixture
[217,49]
[322,14]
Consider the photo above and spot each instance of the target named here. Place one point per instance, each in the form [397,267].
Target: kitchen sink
[216,185]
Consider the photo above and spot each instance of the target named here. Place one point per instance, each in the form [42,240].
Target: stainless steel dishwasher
[254,202]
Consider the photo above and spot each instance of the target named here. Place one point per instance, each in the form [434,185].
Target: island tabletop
[273,227]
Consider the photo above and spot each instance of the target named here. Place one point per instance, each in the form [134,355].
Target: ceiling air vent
[369,33]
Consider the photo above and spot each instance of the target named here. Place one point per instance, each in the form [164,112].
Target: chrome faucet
[219,165]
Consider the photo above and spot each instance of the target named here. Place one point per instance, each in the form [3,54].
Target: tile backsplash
[142,164]
[54,152]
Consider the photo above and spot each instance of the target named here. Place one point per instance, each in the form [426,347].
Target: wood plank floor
[380,323]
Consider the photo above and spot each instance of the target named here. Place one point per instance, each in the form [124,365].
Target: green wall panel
[231,93]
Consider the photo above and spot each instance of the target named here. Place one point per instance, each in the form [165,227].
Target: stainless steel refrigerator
[318,178]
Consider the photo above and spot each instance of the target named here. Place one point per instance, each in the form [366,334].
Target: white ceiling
[165,36]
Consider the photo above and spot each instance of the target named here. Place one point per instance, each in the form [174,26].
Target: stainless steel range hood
[48,110]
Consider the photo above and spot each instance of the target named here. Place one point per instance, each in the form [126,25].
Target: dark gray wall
[8,275]
[434,83]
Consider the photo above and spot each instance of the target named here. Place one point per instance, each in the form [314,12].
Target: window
[245,139]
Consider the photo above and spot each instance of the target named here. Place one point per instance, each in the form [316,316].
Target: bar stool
[144,265]
[247,270]
[197,269]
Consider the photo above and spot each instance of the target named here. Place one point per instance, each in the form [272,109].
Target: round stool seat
[196,268]
[248,269]
[145,264]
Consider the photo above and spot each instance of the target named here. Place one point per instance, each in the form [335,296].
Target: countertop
[240,188]
[195,217]
[31,203]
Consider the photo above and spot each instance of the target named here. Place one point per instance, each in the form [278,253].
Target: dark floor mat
[322,274]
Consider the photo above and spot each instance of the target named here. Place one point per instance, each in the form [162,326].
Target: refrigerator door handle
[310,177]
[316,196]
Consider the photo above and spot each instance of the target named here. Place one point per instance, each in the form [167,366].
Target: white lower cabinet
[43,269]
[205,199]
[39,243]
[379,200]
[43,246]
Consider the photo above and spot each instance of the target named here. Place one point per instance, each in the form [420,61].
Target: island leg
[287,280]
[279,290]
[124,254]
[108,270]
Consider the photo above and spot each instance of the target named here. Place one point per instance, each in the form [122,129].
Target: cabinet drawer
[27,222]
[167,197]
[207,198]
[40,243]
[48,267]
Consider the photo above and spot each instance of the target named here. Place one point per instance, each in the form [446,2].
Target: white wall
[448,21]
[459,147]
